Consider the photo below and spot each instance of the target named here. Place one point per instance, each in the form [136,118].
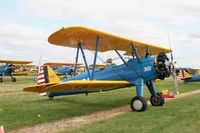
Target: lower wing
[78,85]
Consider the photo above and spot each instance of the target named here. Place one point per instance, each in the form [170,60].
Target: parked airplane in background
[24,69]
[148,63]
[7,68]
[62,68]
[98,66]
[185,76]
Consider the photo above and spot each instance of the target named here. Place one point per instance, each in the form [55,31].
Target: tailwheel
[50,98]
[1,80]
[13,79]
[157,100]
[138,104]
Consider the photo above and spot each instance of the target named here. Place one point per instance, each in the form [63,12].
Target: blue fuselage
[132,71]
[194,78]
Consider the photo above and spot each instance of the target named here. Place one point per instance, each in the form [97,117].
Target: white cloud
[22,42]
[148,21]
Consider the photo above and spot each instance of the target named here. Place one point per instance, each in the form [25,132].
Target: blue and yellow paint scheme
[187,77]
[148,63]
[7,68]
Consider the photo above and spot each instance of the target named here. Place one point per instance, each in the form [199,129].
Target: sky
[26,24]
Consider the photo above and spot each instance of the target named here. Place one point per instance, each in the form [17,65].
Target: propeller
[173,69]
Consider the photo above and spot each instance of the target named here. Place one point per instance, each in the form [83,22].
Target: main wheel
[157,100]
[13,79]
[138,104]
[1,79]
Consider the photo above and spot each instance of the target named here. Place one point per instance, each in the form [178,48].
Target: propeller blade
[173,69]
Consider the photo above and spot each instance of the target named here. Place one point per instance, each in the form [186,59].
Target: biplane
[185,76]
[24,69]
[62,68]
[8,67]
[147,63]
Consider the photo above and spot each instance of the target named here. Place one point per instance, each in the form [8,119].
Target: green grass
[178,116]
[19,109]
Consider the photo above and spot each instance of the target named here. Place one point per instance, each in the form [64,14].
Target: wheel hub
[137,104]
[157,98]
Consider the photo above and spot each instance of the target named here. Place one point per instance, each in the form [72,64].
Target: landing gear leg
[1,79]
[12,78]
[138,103]
[156,99]
[50,96]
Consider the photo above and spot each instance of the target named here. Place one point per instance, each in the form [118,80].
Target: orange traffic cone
[1,129]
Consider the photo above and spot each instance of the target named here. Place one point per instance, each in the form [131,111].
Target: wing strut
[134,52]
[95,56]
[77,54]
[84,58]
[147,52]
[121,57]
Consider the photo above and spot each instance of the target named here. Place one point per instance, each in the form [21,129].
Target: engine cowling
[163,66]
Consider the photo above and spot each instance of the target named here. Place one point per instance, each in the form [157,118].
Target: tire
[1,80]
[138,104]
[157,100]
[13,79]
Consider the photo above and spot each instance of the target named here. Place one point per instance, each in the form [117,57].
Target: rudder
[183,74]
[46,75]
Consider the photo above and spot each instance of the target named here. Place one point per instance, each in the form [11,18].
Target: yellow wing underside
[15,61]
[60,63]
[71,36]
[77,85]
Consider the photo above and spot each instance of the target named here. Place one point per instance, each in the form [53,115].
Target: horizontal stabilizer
[38,88]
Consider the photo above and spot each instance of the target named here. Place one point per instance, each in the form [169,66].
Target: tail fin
[46,75]
[198,72]
[183,75]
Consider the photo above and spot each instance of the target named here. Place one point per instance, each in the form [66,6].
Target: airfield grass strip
[70,124]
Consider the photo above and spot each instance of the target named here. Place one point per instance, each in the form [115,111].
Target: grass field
[180,116]
[19,109]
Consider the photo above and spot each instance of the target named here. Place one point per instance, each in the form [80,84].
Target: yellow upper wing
[60,63]
[71,36]
[15,61]
[78,85]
